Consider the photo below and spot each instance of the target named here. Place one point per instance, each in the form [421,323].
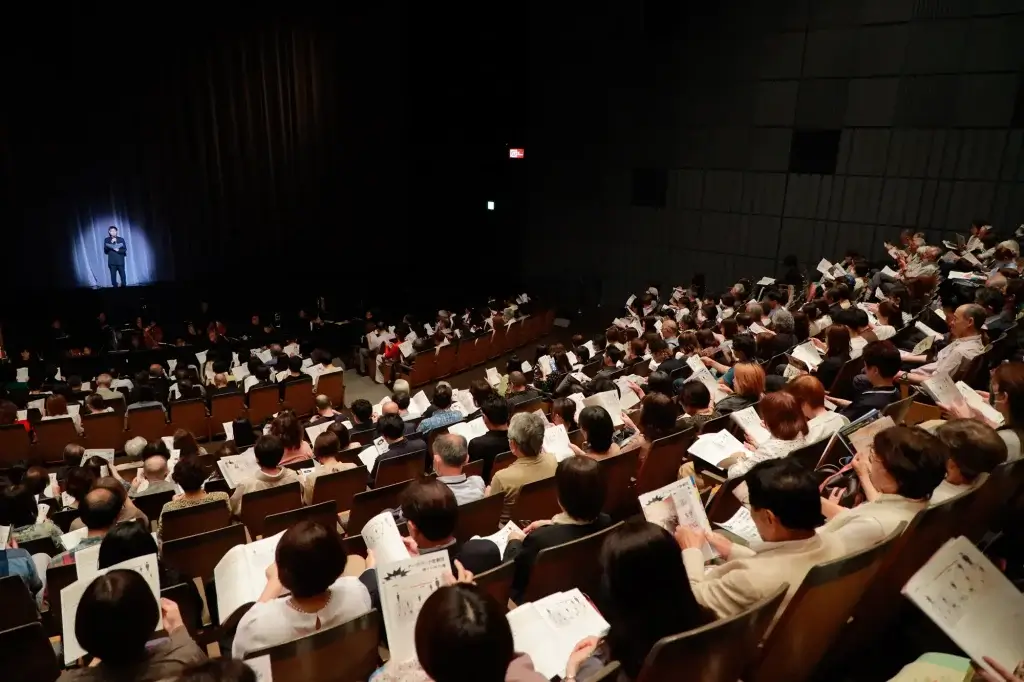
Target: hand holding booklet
[550,628]
[404,586]
[501,537]
[975,401]
[609,400]
[556,441]
[941,389]
[241,574]
[383,539]
[750,421]
[469,430]
[677,504]
[715,448]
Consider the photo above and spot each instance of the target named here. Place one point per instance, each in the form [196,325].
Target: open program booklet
[501,537]
[404,587]
[241,574]
[678,504]
[550,628]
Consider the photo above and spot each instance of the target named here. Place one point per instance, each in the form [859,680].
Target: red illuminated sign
[517,153]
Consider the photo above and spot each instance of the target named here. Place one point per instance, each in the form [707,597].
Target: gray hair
[783,322]
[134,447]
[401,386]
[452,449]
[155,467]
[527,430]
[1010,245]
[756,311]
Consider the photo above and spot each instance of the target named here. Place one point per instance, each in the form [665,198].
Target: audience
[326,450]
[810,395]
[287,429]
[747,388]
[877,391]
[443,414]
[698,409]
[269,453]
[19,510]
[598,432]
[975,450]
[392,429]
[98,511]
[783,418]
[525,439]
[190,476]
[495,412]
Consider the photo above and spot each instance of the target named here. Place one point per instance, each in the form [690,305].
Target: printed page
[742,525]
[765,281]
[609,400]
[862,438]
[824,267]
[889,271]
[627,398]
[807,354]
[382,538]
[105,453]
[237,468]
[492,376]
[229,430]
[71,540]
[314,431]
[556,441]
[526,367]
[750,421]
[694,362]
[501,537]
[571,617]
[531,634]
[690,511]
[368,456]
[406,348]
[972,602]
[404,586]
[713,448]
[232,577]
[974,400]
[578,399]
[928,330]
[923,346]
[239,373]
[87,562]
[5,536]
[419,403]
[942,389]
[571,357]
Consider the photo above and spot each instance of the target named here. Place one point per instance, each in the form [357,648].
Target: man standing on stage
[116,250]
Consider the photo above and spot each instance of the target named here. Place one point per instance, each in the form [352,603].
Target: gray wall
[923,91]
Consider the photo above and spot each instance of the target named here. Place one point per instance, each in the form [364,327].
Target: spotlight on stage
[90,259]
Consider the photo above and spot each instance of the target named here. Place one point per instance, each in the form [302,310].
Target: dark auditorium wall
[922,93]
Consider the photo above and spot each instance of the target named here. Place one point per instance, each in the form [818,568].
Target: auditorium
[566,342]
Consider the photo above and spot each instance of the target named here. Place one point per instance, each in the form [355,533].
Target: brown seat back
[33,659]
[842,387]
[401,468]
[181,594]
[818,611]
[502,461]
[148,422]
[463,356]
[620,499]
[343,653]
[663,461]
[479,517]
[196,556]
[51,437]
[810,455]
[299,396]
[898,410]
[189,415]
[537,500]
[264,402]
[63,519]
[19,606]
[57,578]
[529,406]
[368,504]
[226,407]
[718,652]
[259,504]
[200,518]
[497,346]
[444,361]
[474,468]
[497,582]
[151,505]
[104,431]
[569,565]
[325,513]
[422,369]
[340,487]
[14,445]
[723,503]
[331,385]
[990,503]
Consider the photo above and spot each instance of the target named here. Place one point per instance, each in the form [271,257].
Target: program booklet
[241,574]
[550,628]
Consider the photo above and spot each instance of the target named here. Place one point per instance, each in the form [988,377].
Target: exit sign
[517,153]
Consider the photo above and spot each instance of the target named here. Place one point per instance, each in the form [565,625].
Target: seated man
[94,405]
[975,450]
[965,329]
[103,383]
[362,416]
[294,373]
[395,408]
[786,508]
[519,391]
[269,453]
[98,510]
[325,411]
[881,365]
[495,411]
[526,440]
[392,428]
[450,455]
[443,414]
[145,398]
[154,477]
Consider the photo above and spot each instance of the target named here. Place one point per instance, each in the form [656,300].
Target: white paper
[492,376]
[403,588]
[237,468]
[627,398]
[765,281]
[22,415]
[704,377]
[923,346]
[501,537]
[71,540]
[5,536]
[742,525]
[609,400]
[104,453]
[550,628]
[974,400]
[406,348]
[291,349]
[808,354]
[265,356]
[241,574]
[469,430]
[556,442]
[715,447]
[890,272]
[941,389]
[201,358]
[825,268]
[526,367]
[314,431]
[369,455]
[21,375]
[229,430]
[677,504]
[419,402]
[972,602]
[629,301]
[463,398]
[382,537]
[750,421]
[239,373]
[70,596]
[39,404]
[87,562]
[972,259]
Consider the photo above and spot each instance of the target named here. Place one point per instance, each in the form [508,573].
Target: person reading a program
[116,250]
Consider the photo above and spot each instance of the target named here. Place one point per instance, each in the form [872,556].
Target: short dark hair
[94,401]
[391,426]
[269,451]
[746,345]
[286,427]
[657,415]
[976,314]
[99,508]
[431,505]
[566,409]
[79,482]
[295,364]
[660,382]
[310,557]
[974,446]
[914,458]
[112,227]
[614,353]
[156,448]
[326,445]
[656,345]
[598,424]
[116,617]
[402,399]
[17,506]
[362,410]
[126,540]
[990,298]
[495,408]
[696,395]
[442,398]
[341,431]
[787,489]
[462,634]
[883,356]
[188,474]
[581,487]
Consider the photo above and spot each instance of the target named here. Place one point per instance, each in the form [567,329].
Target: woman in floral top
[18,509]
[190,476]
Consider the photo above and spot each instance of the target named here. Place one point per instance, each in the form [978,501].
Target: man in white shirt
[975,450]
[965,328]
[785,508]
[670,332]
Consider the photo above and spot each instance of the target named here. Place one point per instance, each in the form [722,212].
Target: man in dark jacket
[116,250]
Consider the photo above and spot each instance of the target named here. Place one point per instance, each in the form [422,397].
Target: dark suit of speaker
[116,250]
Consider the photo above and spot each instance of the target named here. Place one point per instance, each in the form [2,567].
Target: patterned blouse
[182,503]
[37,531]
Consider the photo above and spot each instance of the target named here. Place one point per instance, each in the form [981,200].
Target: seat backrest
[571,564]
[325,513]
[299,396]
[369,503]
[717,424]
[104,430]
[537,500]
[340,487]
[842,387]
[497,582]
[331,385]
[35,660]
[343,653]
[422,369]
[264,402]
[148,422]
[51,437]
[200,518]
[529,405]
[14,444]
[479,517]
[817,612]
[151,505]
[190,415]
[810,455]
[259,504]
[402,468]
[196,556]
[619,471]
[63,519]
[181,594]
[718,652]
[19,607]
[502,461]
[898,410]
[990,503]
[57,578]
[43,545]
[444,361]
[226,407]
[474,468]
[497,343]
[663,461]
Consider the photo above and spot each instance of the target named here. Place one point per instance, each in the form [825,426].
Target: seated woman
[462,634]
[56,407]
[286,427]
[975,450]
[563,412]
[243,434]
[598,433]
[782,416]
[18,509]
[581,492]
[190,476]
[898,475]
[130,540]
[76,481]
[697,406]
[748,386]
[837,353]
[186,445]
[325,451]
[344,436]
[114,624]
[889,321]
[647,597]
[821,422]
[657,420]
[310,562]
